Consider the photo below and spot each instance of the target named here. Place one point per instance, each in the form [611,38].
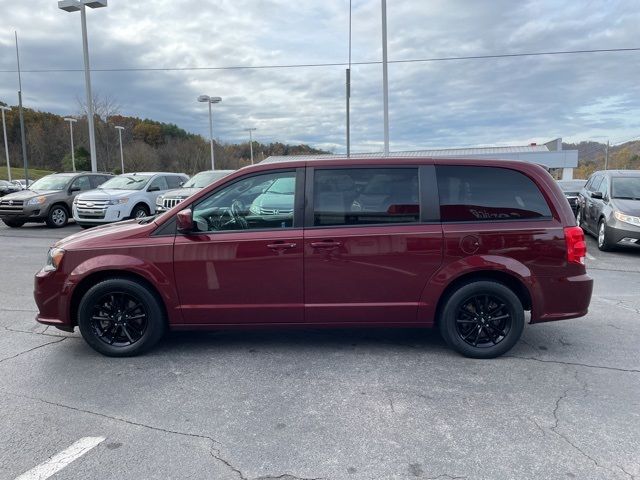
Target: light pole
[73,153]
[250,130]
[6,145]
[74,6]
[385,78]
[120,129]
[210,100]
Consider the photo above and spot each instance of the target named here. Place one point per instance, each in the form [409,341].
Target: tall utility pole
[22,133]
[6,144]
[73,153]
[250,130]
[348,92]
[74,6]
[606,156]
[120,129]
[385,78]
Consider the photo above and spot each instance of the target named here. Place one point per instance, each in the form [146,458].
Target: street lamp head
[252,129]
[117,127]
[5,109]
[95,3]
[70,120]
[69,5]
[208,99]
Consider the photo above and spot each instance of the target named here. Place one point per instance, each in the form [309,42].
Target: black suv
[48,199]
[609,208]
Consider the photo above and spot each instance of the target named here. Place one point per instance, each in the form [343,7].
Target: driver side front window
[257,202]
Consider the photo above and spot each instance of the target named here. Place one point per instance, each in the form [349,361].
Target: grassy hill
[34,174]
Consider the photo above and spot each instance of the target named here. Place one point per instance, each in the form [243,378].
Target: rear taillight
[576,246]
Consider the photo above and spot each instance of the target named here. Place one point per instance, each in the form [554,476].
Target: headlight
[118,201]
[159,200]
[255,209]
[37,200]
[54,257]
[627,218]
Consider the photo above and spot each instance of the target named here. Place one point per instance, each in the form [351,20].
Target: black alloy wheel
[121,317]
[482,319]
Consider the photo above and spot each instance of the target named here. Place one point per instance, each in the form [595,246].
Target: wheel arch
[96,277]
[63,204]
[144,203]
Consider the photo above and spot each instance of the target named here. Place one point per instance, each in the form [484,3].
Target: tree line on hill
[148,145]
[591,157]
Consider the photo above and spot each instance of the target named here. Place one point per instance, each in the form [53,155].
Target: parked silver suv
[48,199]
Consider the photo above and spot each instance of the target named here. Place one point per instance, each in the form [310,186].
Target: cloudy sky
[432,104]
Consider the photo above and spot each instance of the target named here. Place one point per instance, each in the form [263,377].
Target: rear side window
[365,196]
[174,181]
[488,194]
[98,180]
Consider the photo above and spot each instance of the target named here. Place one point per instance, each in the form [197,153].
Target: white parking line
[62,459]
[590,257]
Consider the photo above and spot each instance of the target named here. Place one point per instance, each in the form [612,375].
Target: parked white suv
[130,195]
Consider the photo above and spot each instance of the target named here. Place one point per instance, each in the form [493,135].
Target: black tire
[579,218]
[57,217]
[483,311]
[140,211]
[84,226]
[604,244]
[110,319]
[14,223]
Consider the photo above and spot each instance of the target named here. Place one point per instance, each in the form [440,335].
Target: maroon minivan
[464,245]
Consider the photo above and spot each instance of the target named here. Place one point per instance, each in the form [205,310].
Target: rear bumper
[563,298]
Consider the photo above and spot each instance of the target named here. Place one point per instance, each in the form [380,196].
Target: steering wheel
[228,219]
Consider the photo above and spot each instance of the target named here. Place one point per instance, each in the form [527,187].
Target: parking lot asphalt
[333,404]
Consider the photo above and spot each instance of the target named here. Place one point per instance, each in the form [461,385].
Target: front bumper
[52,295]
[26,213]
[622,233]
[100,216]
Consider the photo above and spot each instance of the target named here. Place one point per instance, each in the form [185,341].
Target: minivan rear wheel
[120,318]
[482,319]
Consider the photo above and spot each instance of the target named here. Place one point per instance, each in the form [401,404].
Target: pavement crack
[446,475]
[574,364]
[43,333]
[24,352]
[114,418]
[215,453]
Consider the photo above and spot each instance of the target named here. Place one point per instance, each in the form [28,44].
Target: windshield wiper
[628,198]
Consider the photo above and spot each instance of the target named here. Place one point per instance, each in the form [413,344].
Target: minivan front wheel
[603,238]
[120,317]
[482,319]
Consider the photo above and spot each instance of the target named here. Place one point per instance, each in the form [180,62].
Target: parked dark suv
[463,245]
[609,208]
[49,199]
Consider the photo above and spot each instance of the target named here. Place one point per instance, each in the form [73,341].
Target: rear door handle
[326,244]
[281,245]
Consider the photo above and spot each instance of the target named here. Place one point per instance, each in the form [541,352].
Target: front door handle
[326,244]
[281,245]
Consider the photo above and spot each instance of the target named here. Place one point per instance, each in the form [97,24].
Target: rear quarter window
[470,194]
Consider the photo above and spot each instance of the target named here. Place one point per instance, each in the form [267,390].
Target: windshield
[283,186]
[50,182]
[126,182]
[203,179]
[625,187]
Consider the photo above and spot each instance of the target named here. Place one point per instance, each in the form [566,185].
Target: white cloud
[454,103]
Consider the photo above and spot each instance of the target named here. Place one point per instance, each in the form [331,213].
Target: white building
[550,155]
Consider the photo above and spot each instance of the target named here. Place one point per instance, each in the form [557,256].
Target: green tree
[83,161]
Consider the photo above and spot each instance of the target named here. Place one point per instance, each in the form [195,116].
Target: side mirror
[185,221]
[74,189]
[596,195]
[182,183]
[154,189]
